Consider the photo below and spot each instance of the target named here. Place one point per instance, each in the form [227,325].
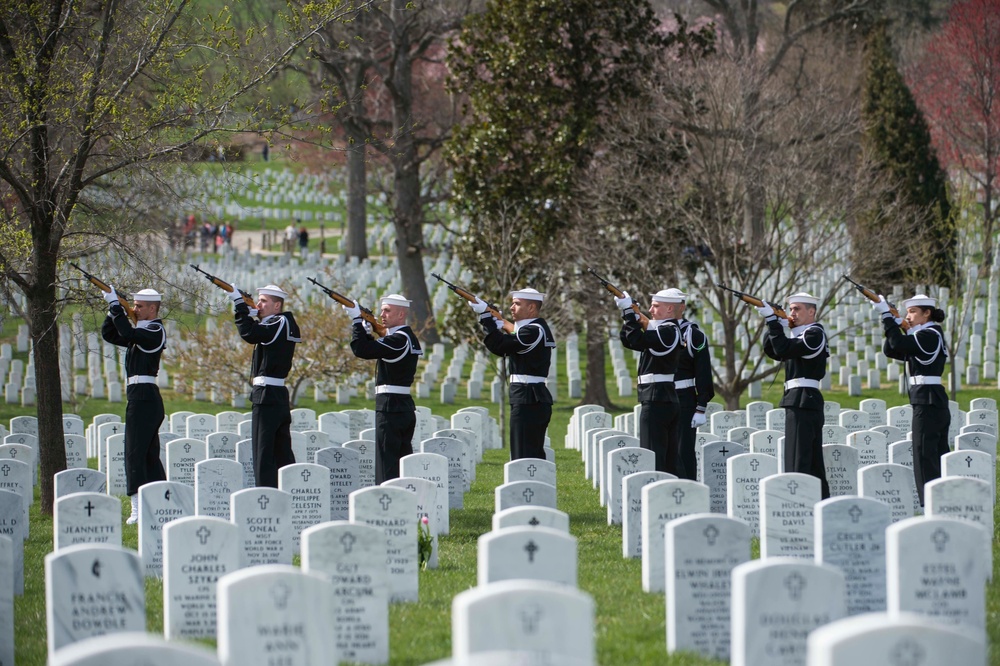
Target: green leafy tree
[540,78]
[98,99]
[897,139]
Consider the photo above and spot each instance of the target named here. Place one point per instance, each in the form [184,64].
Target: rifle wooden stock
[873,297]
[753,300]
[366,314]
[225,286]
[618,293]
[100,284]
[508,327]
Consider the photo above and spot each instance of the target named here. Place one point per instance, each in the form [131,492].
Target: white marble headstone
[12,526]
[344,465]
[535,553]
[524,493]
[841,463]
[531,516]
[87,518]
[619,464]
[850,535]
[308,484]
[392,510]
[745,472]
[215,480]
[786,515]
[662,502]
[264,519]
[432,467]
[892,484]
[159,503]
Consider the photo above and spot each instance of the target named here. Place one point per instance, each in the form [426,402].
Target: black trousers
[272,443]
[658,433]
[393,439]
[930,442]
[686,435]
[804,444]
[527,430]
[142,443]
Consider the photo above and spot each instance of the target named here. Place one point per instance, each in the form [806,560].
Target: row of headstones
[168,495]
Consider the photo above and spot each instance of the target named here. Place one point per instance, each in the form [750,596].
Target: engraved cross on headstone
[678,495]
[887,475]
[723,450]
[531,470]
[968,461]
[203,533]
[792,487]
[80,480]
[795,583]
[530,617]
[855,513]
[280,594]
[89,507]
[531,549]
[337,455]
[907,653]
[305,475]
[187,447]
[263,500]
[527,495]
[347,541]
[385,501]
[940,539]
[836,455]
[754,464]
[5,469]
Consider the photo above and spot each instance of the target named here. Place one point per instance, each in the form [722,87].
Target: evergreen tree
[917,213]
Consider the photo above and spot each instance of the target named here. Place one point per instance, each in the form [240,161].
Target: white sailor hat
[802,297]
[273,290]
[528,294]
[396,299]
[150,295]
[921,301]
[672,295]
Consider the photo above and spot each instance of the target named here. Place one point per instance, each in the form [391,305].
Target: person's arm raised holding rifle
[235,294]
[350,304]
[110,295]
[478,305]
[757,303]
[622,299]
[879,303]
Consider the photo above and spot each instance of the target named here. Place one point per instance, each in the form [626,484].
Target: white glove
[783,322]
[235,296]
[499,323]
[766,310]
[880,305]
[699,419]
[253,312]
[478,306]
[625,302]
[110,296]
[354,311]
[367,326]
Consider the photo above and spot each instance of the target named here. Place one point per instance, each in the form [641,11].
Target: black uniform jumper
[660,347]
[693,383]
[805,355]
[144,411]
[395,416]
[275,338]
[529,352]
[922,348]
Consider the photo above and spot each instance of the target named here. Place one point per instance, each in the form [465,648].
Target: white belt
[268,381]
[526,379]
[389,388]
[684,383]
[917,380]
[140,379]
[652,378]
[802,383]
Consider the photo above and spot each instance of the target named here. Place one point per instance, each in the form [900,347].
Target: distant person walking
[303,241]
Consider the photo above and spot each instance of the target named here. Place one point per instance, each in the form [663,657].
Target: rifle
[100,284]
[873,297]
[366,314]
[225,286]
[752,300]
[469,296]
[618,293]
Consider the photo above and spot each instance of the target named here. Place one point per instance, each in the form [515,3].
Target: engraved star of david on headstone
[711,533]
[203,533]
[633,459]
[907,653]
[887,475]
[792,487]
[795,583]
[855,513]
[263,501]
[280,594]
[940,539]
[982,416]
[527,495]
[678,495]
[530,615]
[531,549]
[347,541]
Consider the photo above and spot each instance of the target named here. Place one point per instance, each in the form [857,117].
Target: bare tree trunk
[42,317]
[989,222]
[596,392]
[356,242]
